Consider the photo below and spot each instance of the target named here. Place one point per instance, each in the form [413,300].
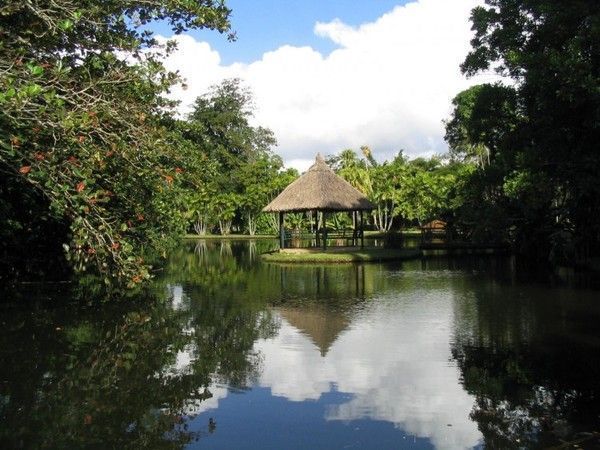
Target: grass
[340,255]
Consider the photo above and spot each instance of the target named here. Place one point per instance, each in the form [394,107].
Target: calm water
[228,353]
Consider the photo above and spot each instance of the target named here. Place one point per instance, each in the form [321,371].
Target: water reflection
[67,376]
[392,359]
[320,324]
[530,356]
[438,353]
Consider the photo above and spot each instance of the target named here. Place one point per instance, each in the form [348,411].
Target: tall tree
[81,128]
[246,170]
[550,49]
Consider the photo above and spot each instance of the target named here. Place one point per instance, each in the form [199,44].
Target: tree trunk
[200,225]
[225,227]
[251,224]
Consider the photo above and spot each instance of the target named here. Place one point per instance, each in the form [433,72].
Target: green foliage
[243,173]
[402,190]
[536,143]
[82,129]
[483,119]
[296,221]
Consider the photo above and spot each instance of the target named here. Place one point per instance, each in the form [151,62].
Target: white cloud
[387,85]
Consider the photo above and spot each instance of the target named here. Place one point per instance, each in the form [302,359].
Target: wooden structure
[434,229]
[322,191]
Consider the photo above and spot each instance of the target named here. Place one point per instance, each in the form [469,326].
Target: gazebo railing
[325,237]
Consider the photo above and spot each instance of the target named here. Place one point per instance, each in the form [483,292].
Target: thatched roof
[319,189]
[434,225]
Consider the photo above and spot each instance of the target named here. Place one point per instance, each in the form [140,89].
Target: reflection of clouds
[184,360]
[292,366]
[197,406]
[394,358]
[177,296]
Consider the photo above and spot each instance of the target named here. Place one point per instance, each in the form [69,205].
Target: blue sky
[264,25]
[334,74]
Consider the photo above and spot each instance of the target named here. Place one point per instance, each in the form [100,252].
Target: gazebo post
[362,231]
[316,217]
[354,229]
[281,231]
[324,230]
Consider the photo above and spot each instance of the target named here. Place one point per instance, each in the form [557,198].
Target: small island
[340,255]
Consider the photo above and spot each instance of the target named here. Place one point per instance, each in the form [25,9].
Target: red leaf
[25,169]
[80,186]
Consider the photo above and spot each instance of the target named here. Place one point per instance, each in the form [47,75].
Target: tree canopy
[538,138]
[84,150]
[233,171]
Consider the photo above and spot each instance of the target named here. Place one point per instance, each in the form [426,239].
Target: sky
[337,74]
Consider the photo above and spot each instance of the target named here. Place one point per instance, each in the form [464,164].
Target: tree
[401,189]
[245,168]
[222,128]
[483,121]
[82,129]
[481,133]
[262,180]
[552,53]
[355,171]
[371,179]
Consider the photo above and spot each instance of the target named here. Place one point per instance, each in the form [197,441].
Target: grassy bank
[340,255]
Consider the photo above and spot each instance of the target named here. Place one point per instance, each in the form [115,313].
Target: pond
[226,352]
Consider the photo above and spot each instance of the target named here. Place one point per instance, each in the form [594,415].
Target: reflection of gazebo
[322,325]
[321,190]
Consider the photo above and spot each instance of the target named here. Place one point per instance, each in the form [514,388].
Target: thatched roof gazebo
[320,190]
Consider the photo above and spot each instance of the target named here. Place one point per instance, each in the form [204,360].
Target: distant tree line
[405,192]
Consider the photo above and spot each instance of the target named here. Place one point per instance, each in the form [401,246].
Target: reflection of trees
[76,381]
[201,251]
[108,377]
[226,250]
[252,250]
[342,282]
[532,364]
[229,270]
